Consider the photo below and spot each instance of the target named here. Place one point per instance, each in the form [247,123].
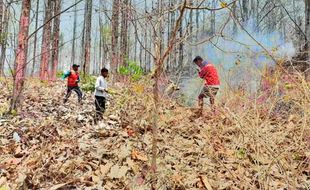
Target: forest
[162,94]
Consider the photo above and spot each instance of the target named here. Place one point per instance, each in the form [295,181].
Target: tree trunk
[88,24]
[83,37]
[124,32]
[21,55]
[56,30]
[46,43]
[35,39]
[307,27]
[234,10]
[3,36]
[74,36]
[245,10]
[146,63]
[213,18]
[1,16]
[115,35]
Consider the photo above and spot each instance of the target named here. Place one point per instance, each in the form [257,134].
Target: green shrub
[59,74]
[132,69]
[88,83]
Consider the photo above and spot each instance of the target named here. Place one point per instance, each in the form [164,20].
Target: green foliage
[3,38]
[59,74]
[132,69]
[241,153]
[88,83]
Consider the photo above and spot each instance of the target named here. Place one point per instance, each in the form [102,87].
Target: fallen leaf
[104,169]
[55,187]
[136,155]
[205,182]
[118,172]
[95,179]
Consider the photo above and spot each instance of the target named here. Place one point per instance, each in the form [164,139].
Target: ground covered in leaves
[248,144]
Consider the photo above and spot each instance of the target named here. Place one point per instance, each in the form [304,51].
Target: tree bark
[88,25]
[114,39]
[35,39]
[213,18]
[3,36]
[74,36]
[46,43]
[307,27]
[21,55]
[56,33]
[124,32]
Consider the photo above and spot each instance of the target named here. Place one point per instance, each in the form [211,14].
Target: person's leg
[212,93]
[200,100]
[79,93]
[69,91]
[97,105]
[102,104]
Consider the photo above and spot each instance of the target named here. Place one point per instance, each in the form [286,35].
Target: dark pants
[77,90]
[100,106]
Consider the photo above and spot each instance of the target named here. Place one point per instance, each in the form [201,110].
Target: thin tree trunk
[56,33]
[245,10]
[3,36]
[1,16]
[100,40]
[213,18]
[21,55]
[124,32]
[114,40]
[88,24]
[83,37]
[46,43]
[35,39]
[307,27]
[146,39]
[73,53]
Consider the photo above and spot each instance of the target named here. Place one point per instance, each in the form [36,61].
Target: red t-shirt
[209,73]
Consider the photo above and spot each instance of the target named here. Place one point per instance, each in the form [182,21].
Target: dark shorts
[208,91]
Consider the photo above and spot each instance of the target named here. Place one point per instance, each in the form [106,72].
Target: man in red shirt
[73,83]
[212,82]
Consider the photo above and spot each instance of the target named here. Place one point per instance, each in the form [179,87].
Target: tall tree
[46,42]
[88,24]
[21,55]
[2,7]
[56,34]
[124,32]
[4,34]
[74,36]
[213,17]
[115,35]
[307,26]
[35,38]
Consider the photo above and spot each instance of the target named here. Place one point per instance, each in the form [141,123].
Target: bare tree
[88,25]
[4,33]
[46,42]
[307,26]
[115,35]
[35,38]
[21,55]
[74,35]
[56,34]
[124,32]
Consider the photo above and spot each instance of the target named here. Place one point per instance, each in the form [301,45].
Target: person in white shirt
[101,92]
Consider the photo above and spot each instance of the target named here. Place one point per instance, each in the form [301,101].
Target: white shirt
[100,87]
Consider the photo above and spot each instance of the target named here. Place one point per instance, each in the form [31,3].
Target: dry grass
[252,143]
